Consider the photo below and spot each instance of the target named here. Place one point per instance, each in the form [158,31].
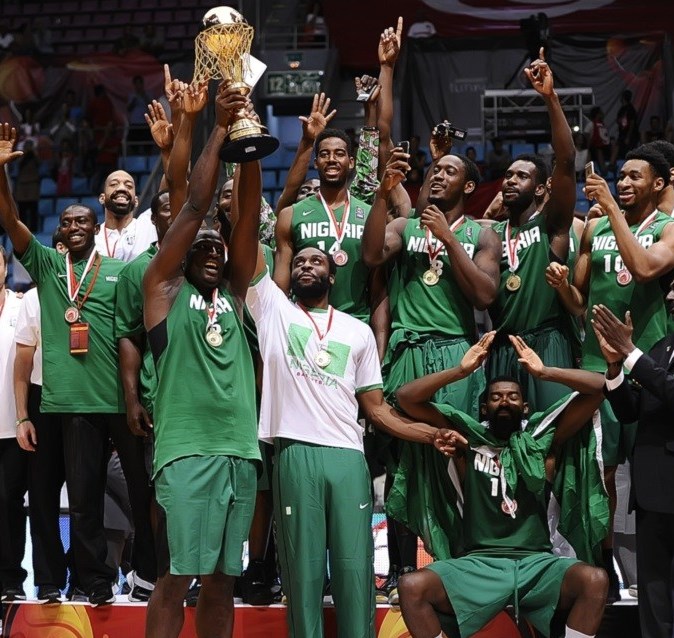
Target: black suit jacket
[651,404]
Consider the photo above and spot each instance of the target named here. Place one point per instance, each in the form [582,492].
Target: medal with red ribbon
[624,276]
[338,229]
[72,313]
[322,358]
[213,330]
[433,274]
[514,281]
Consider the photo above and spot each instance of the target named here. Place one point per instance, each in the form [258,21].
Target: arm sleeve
[612,384]
[368,367]
[128,307]
[625,401]
[631,359]
[658,381]
[28,323]
[264,298]
[38,260]
[365,184]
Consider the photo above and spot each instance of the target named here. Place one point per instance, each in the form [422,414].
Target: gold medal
[214,338]
[71,315]
[624,277]
[430,278]
[322,358]
[513,282]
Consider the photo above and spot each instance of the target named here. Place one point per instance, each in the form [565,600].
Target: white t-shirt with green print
[302,400]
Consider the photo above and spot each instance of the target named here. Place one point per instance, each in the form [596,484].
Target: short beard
[313,290]
[118,210]
[502,427]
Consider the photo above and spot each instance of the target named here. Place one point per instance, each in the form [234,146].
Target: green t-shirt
[205,395]
[129,320]
[441,309]
[311,228]
[86,383]
[644,300]
[488,526]
[535,304]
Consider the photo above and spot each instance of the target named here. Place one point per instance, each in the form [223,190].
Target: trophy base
[249,148]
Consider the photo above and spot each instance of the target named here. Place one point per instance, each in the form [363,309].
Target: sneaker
[12,594]
[394,597]
[49,595]
[633,591]
[76,595]
[140,590]
[255,590]
[382,592]
[193,593]
[101,595]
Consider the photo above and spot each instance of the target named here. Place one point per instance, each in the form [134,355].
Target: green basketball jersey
[488,523]
[644,300]
[86,383]
[535,303]
[311,228]
[205,395]
[442,309]
[129,320]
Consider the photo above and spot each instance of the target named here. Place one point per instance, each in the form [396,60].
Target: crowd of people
[249,366]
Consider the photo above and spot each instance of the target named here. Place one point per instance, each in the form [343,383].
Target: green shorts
[617,439]
[479,587]
[209,503]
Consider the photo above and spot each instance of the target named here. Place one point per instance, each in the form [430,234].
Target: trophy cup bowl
[222,50]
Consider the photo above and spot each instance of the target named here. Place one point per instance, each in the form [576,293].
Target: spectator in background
[471,154]
[152,39]
[6,40]
[126,42]
[598,140]
[138,140]
[75,111]
[655,132]
[62,128]
[315,30]
[13,460]
[422,27]
[43,41]
[86,148]
[628,128]
[27,186]
[65,168]
[498,159]
[107,139]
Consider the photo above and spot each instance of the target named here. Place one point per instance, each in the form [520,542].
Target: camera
[446,129]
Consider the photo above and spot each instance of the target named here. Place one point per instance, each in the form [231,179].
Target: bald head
[119,194]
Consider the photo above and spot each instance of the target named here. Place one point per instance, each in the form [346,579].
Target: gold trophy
[222,51]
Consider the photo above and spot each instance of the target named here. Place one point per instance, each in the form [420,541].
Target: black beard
[314,290]
[119,210]
[503,426]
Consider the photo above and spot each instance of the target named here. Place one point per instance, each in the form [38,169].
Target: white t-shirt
[301,400]
[134,239]
[28,331]
[8,319]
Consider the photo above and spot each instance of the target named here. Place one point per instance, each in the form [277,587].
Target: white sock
[572,633]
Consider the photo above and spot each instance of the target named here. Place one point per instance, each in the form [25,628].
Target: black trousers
[655,573]
[13,485]
[46,474]
[86,439]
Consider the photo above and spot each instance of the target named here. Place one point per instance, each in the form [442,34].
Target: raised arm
[645,264]
[387,52]
[161,130]
[283,255]
[560,206]
[166,264]
[583,381]
[243,244]
[380,242]
[194,99]
[478,278]
[365,183]
[18,232]
[312,125]
[415,397]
